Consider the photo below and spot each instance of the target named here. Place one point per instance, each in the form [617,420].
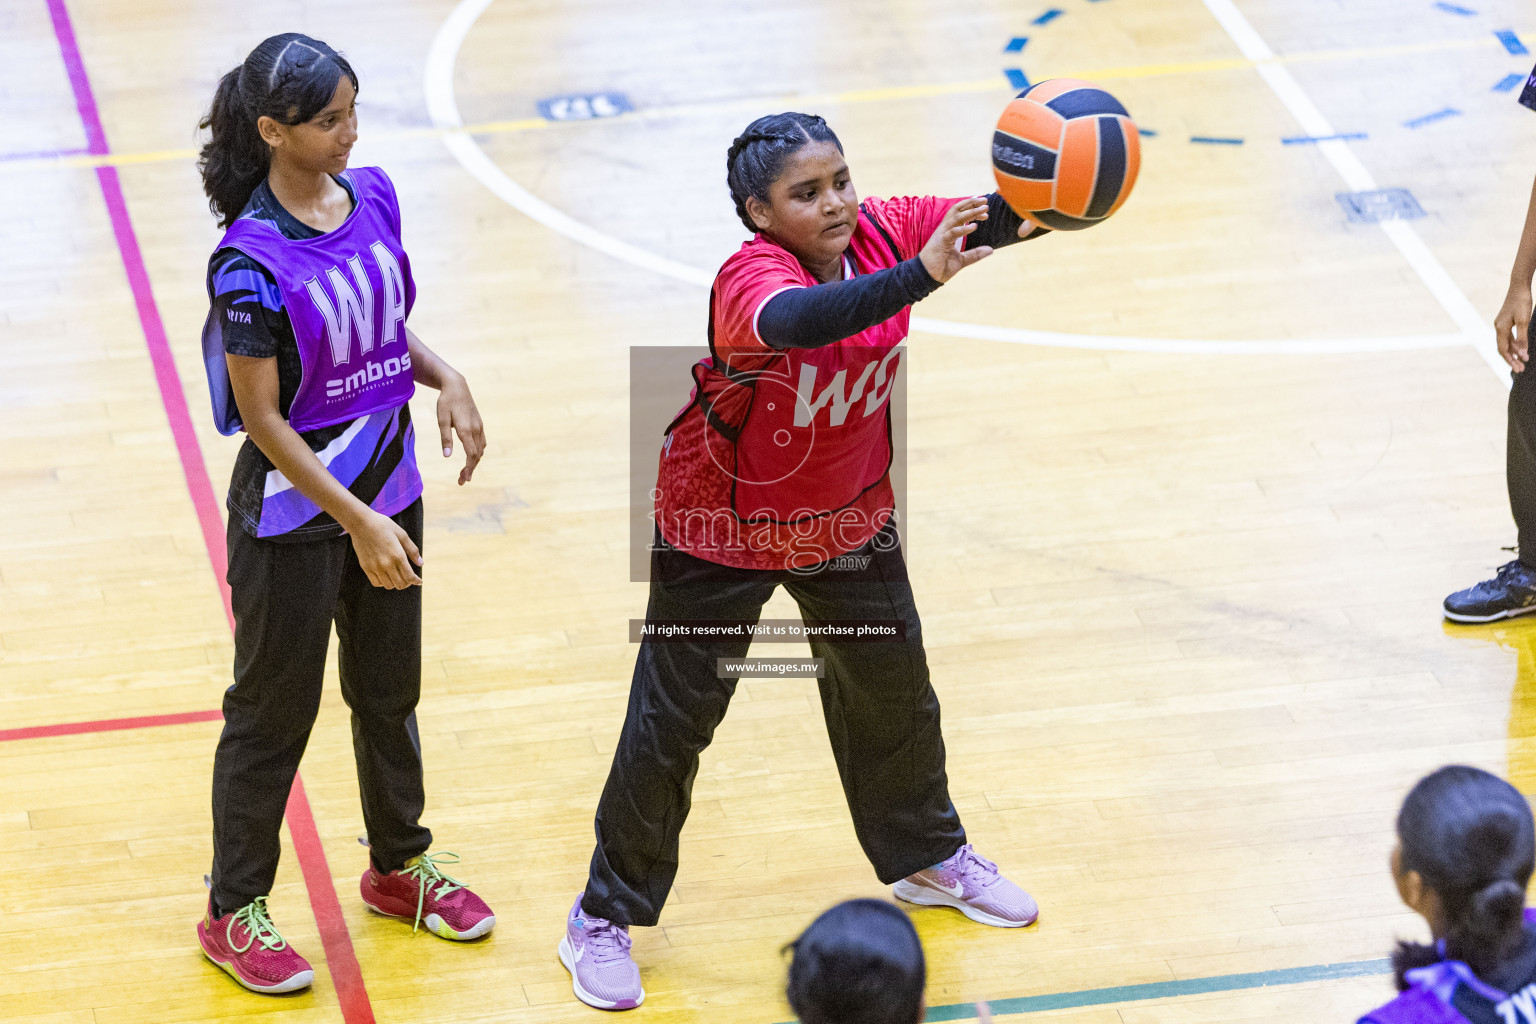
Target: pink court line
[340,958]
[33,732]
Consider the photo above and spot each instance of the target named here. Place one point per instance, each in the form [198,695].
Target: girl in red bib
[777,472]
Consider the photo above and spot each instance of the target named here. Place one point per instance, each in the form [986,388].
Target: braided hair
[289,78]
[757,156]
[1470,836]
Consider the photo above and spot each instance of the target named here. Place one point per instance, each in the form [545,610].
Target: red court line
[340,958]
[33,732]
[346,975]
[193,469]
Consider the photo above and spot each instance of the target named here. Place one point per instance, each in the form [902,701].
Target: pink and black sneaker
[247,945]
[422,894]
[972,885]
[596,952]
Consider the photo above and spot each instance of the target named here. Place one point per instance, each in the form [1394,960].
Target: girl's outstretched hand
[983,1013]
[456,411]
[942,256]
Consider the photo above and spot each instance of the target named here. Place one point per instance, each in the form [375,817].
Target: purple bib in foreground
[1432,991]
[347,294]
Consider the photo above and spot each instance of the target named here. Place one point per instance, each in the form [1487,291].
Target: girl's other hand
[983,1013]
[456,411]
[385,551]
[942,256]
[1512,327]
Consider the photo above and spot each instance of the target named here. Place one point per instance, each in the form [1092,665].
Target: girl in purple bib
[307,350]
[1466,847]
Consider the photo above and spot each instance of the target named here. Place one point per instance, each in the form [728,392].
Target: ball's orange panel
[1023,196]
[1077,166]
[1032,123]
[1044,92]
[1132,161]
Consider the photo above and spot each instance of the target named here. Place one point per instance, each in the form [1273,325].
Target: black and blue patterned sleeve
[246,304]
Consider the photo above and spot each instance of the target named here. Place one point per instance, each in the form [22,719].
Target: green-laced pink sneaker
[246,944]
[422,894]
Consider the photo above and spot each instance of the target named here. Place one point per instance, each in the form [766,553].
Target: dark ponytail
[756,158]
[289,78]
[1470,836]
[859,963]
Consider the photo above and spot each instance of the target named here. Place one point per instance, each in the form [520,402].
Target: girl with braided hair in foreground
[1465,849]
[777,472]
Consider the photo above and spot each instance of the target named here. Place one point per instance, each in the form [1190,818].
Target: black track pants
[881,712]
[1520,460]
[285,598]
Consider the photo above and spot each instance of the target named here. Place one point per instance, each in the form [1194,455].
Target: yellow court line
[990,84]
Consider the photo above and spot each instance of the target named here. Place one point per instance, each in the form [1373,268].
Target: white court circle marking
[443,108]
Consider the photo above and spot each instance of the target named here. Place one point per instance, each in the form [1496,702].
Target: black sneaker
[1510,593]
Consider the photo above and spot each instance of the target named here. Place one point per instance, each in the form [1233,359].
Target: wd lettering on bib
[348,293]
[807,407]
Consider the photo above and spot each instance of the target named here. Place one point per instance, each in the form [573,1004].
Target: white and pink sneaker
[972,885]
[596,952]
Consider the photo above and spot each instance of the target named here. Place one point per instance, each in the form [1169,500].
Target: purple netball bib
[347,294]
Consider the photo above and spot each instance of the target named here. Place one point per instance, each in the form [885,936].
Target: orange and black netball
[1065,153]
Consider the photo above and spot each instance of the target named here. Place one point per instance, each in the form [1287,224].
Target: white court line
[1337,152]
[443,107]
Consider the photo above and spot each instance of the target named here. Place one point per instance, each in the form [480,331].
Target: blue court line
[1453,9]
[1511,42]
[1508,82]
[1147,133]
[1438,115]
[1166,989]
[1049,16]
[1016,78]
[1215,140]
[1016,44]
[43,154]
[1302,140]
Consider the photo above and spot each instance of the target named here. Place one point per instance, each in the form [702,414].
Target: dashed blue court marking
[1508,83]
[1166,989]
[1016,78]
[1511,42]
[1214,140]
[1016,44]
[1302,140]
[1439,115]
[1146,133]
[1454,9]
[1049,16]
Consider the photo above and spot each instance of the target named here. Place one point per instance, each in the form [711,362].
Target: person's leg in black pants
[675,703]
[379,634]
[1520,461]
[1512,590]
[283,596]
[883,716]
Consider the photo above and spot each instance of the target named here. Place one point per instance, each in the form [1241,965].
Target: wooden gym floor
[1181,588]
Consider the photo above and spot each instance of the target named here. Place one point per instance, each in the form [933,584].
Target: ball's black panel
[1086,103]
[1060,221]
[1111,179]
[1021,159]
